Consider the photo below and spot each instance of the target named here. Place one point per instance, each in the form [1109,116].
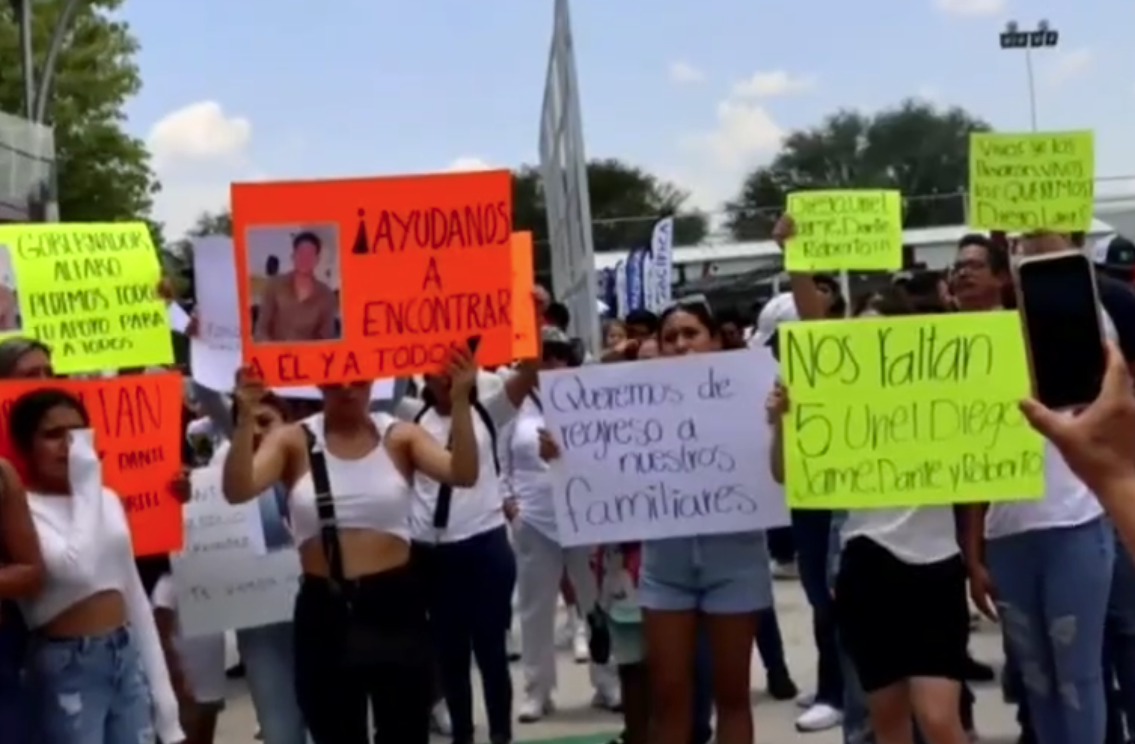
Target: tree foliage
[919,149]
[626,201]
[103,173]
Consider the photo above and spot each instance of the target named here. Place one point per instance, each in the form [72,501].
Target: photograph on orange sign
[423,264]
[293,283]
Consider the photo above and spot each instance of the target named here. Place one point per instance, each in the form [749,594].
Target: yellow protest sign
[907,411]
[848,230]
[1034,181]
[89,291]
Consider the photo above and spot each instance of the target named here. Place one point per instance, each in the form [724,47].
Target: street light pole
[37,96]
[1042,37]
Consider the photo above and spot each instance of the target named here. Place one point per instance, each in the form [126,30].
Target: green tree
[917,148]
[626,201]
[103,173]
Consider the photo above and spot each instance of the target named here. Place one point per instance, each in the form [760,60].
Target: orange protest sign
[137,424]
[362,279]
[524,329]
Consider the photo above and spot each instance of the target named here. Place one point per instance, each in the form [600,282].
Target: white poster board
[227,578]
[662,448]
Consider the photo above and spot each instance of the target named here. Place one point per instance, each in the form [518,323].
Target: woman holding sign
[724,578]
[97,667]
[361,634]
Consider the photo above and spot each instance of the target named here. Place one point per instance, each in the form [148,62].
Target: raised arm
[249,470]
[810,304]
[523,381]
[460,464]
[21,563]
[775,408]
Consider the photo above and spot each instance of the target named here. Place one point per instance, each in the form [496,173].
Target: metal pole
[47,75]
[1032,85]
[22,9]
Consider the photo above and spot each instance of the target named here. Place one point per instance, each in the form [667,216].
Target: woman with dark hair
[718,581]
[96,667]
[361,633]
[24,358]
[900,599]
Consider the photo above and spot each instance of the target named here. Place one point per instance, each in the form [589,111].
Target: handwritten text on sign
[89,291]
[222,581]
[656,449]
[849,230]
[137,425]
[1021,182]
[424,261]
[907,411]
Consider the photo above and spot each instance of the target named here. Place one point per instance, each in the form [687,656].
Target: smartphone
[473,342]
[1061,318]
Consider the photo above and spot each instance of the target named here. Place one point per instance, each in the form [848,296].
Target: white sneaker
[785,571]
[439,720]
[805,700]
[820,717]
[579,647]
[532,709]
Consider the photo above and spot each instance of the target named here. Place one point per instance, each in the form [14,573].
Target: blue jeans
[268,654]
[13,713]
[1119,645]
[812,533]
[91,690]
[1053,587]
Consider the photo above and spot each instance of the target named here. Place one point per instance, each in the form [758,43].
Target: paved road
[774,720]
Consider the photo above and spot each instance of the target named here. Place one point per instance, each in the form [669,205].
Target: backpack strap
[535,398]
[325,509]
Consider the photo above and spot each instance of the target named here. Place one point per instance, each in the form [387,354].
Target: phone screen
[1058,303]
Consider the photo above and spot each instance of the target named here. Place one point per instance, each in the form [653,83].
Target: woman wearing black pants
[361,632]
[464,552]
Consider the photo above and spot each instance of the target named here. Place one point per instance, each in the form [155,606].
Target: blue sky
[695,91]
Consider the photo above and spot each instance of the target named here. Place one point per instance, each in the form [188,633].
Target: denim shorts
[715,574]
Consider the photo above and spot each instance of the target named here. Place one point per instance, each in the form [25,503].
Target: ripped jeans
[1052,595]
[91,690]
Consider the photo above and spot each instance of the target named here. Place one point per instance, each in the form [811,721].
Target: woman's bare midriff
[96,615]
[364,552]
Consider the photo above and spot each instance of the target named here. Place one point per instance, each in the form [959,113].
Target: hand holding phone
[1061,318]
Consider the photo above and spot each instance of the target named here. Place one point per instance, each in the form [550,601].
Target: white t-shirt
[473,511]
[1067,502]
[914,535]
[524,474]
[202,657]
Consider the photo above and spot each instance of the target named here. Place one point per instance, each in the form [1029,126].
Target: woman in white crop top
[360,619]
[97,667]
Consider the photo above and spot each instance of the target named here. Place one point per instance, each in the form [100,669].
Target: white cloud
[774,83]
[199,131]
[468,163]
[684,72]
[971,7]
[198,151]
[1067,66]
[743,131]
